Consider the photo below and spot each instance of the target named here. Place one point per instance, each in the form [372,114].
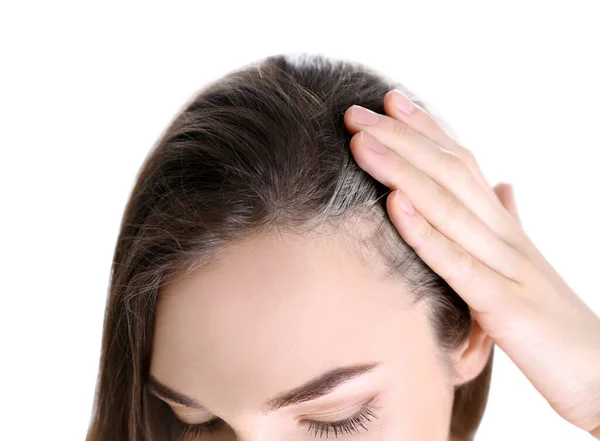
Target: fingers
[423,122]
[480,286]
[506,196]
[444,167]
[399,106]
[442,209]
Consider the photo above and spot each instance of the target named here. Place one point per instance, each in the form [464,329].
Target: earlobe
[472,357]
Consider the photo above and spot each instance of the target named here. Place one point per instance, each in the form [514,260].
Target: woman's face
[284,331]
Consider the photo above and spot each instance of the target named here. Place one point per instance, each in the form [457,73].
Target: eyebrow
[319,386]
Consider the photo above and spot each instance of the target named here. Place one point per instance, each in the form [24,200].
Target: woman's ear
[472,357]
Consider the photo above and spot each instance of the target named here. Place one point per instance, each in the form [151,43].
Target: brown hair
[265,147]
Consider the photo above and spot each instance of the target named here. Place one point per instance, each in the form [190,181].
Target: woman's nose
[253,429]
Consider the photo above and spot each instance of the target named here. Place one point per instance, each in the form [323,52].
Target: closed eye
[348,426]
[195,430]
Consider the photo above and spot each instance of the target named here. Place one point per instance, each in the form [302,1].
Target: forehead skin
[277,310]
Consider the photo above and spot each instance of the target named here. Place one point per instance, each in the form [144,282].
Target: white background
[86,88]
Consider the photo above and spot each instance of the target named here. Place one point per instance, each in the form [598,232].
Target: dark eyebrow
[317,387]
[164,391]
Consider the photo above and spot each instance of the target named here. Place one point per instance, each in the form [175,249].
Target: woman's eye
[195,430]
[348,426]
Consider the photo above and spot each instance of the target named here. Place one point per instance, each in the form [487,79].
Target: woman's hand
[469,233]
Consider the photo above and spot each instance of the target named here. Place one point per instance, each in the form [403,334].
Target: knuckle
[401,165]
[457,169]
[426,231]
[465,153]
[458,217]
[399,130]
[452,210]
[463,261]
[468,157]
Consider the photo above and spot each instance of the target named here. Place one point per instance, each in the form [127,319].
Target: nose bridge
[255,435]
[260,427]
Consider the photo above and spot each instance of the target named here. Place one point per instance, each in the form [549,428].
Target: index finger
[399,106]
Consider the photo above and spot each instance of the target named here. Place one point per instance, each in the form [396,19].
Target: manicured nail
[402,102]
[372,142]
[364,116]
[404,203]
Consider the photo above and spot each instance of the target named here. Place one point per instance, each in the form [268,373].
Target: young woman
[269,284]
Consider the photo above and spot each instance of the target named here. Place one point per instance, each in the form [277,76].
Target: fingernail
[402,102]
[372,142]
[404,203]
[364,116]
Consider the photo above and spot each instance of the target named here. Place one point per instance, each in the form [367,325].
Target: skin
[233,353]
[462,230]
[278,310]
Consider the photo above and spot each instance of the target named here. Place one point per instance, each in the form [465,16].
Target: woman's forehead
[279,282]
[281,306]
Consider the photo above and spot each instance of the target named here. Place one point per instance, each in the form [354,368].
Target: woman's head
[255,255]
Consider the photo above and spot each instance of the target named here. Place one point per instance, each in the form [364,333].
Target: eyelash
[348,425]
[197,429]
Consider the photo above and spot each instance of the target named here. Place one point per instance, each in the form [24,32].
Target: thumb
[505,194]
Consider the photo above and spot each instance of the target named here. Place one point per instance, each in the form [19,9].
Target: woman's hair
[262,149]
